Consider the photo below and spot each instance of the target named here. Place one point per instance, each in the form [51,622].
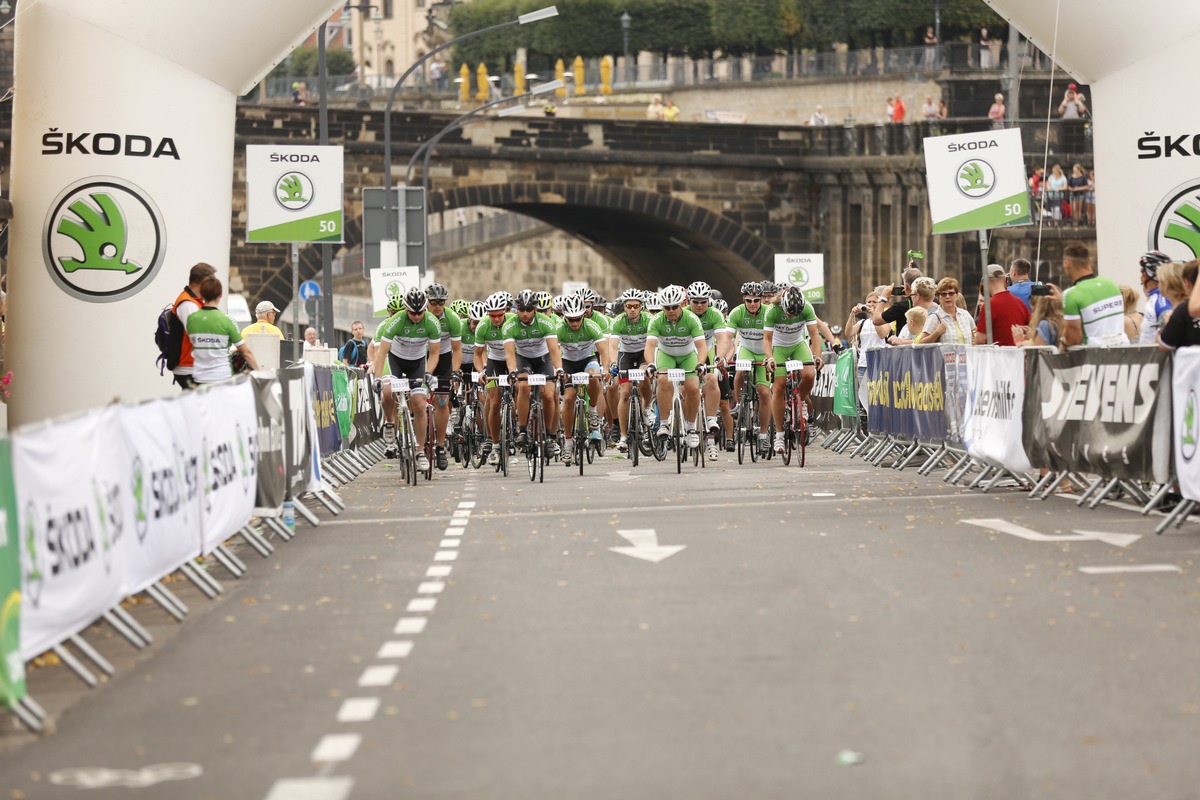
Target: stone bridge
[662,202]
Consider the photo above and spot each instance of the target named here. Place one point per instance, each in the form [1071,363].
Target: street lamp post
[626,24]
[524,19]
[938,5]
[362,8]
[378,19]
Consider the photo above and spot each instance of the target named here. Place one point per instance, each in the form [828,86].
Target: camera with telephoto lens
[1039,290]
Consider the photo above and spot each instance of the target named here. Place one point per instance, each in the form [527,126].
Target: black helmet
[752,289]
[769,287]
[792,301]
[716,294]
[527,300]
[415,300]
[1151,261]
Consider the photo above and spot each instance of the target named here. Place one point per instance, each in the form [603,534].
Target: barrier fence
[101,507]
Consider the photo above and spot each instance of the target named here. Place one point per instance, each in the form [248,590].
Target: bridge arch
[651,237]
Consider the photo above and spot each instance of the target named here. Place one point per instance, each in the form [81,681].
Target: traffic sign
[309,290]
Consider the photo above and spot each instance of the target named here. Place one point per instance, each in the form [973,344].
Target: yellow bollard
[580,82]
[519,79]
[464,83]
[606,73]
[481,80]
[560,74]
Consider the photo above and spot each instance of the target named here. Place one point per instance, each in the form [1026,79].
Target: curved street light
[427,146]
[524,19]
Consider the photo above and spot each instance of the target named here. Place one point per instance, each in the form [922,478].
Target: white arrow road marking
[1130,568]
[645,545]
[619,476]
[1013,529]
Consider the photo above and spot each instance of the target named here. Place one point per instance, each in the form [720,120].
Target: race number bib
[675,375]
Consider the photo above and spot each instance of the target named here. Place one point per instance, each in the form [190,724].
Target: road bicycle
[508,422]
[677,437]
[637,439]
[700,454]
[535,446]
[471,433]
[746,425]
[430,429]
[406,439]
[795,427]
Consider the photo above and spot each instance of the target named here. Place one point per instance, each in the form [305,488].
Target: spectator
[930,109]
[943,110]
[996,113]
[310,338]
[1046,323]
[818,117]
[670,111]
[892,314]
[187,303]
[931,41]
[914,327]
[898,109]
[212,333]
[836,330]
[1089,199]
[1056,186]
[1092,306]
[1133,319]
[1157,306]
[1019,283]
[1073,105]
[437,73]
[655,110]
[890,112]
[985,49]
[1077,188]
[299,94]
[354,351]
[948,323]
[265,312]
[1170,283]
[1183,328]
[863,334]
[1036,181]
[1007,311]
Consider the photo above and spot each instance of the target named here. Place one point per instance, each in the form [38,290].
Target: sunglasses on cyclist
[526,308]
[437,302]
[632,306]
[752,299]
[699,301]
[671,308]
[573,319]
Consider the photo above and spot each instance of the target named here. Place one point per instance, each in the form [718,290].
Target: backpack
[168,337]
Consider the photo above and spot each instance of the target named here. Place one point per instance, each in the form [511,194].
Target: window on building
[387,9]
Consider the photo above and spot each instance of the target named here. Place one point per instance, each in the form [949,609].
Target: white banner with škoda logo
[1186,431]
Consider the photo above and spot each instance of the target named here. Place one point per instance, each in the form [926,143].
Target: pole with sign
[805,271]
[976,182]
[294,195]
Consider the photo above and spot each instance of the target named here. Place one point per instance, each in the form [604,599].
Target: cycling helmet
[792,301]
[600,303]
[631,294]
[590,296]
[527,300]
[495,303]
[395,304]
[653,301]
[721,306]
[543,301]
[573,306]
[752,289]
[716,295]
[507,298]
[476,311]
[415,300]
[556,303]
[436,291]
[769,287]
[460,307]
[1151,261]
[699,291]
[672,296]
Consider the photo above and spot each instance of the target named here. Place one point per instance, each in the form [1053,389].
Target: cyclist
[725,377]
[783,339]
[579,339]
[675,340]
[410,344]
[537,352]
[630,330]
[593,305]
[544,303]
[717,337]
[770,291]
[747,319]
[395,305]
[495,354]
[449,365]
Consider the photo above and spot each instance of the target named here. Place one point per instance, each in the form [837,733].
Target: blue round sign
[309,290]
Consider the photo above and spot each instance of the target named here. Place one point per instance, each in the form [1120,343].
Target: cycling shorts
[413,369]
[442,373]
[726,385]
[797,352]
[628,361]
[586,365]
[760,372]
[664,362]
[537,366]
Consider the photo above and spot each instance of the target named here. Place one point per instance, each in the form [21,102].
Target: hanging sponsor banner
[364,397]
[389,283]
[844,402]
[328,434]
[164,468]
[994,399]
[1186,380]
[977,181]
[905,393]
[12,666]
[805,270]
[1101,410]
[293,193]
[822,397]
[229,469]
[268,411]
[955,372]
[296,429]
[341,403]
[74,523]
[313,477]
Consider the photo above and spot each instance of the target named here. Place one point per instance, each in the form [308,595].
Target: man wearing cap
[1073,105]
[1007,310]
[265,312]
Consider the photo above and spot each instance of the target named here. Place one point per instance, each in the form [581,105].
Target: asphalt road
[835,631]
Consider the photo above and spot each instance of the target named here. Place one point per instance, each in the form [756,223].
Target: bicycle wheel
[476,435]
[430,440]
[533,450]
[801,435]
[677,434]
[408,449]
[739,430]
[579,431]
[505,439]
[788,417]
[700,457]
[632,443]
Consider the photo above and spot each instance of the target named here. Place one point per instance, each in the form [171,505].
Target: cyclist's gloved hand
[613,369]
[720,362]
[837,347]
[559,374]
[430,381]
[651,369]
[378,386]
[456,375]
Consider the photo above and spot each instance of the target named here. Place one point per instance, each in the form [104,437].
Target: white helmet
[572,306]
[495,303]
[699,290]
[507,298]
[672,296]
[476,311]
[653,301]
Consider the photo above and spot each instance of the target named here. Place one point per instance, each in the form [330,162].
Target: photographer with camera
[1046,324]
[1007,310]
[900,297]
[1073,105]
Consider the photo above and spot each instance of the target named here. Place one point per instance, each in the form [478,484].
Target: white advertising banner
[229,473]
[1187,420]
[995,399]
[73,490]
[806,270]
[294,193]
[314,432]
[389,282]
[977,181]
[164,468]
